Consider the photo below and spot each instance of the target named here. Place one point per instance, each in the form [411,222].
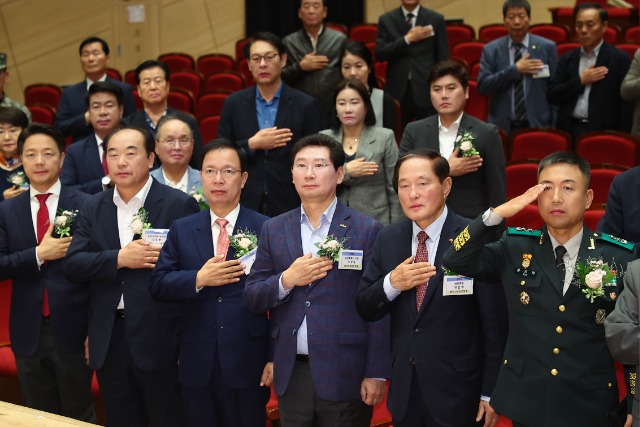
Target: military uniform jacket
[557,370]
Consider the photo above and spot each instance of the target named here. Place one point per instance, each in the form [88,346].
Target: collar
[141,195]
[525,41]
[55,189]
[276,96]
[10,163]
[455,123]
[232,217]
[319,32]
[415,12]
[572,245]
[148,120]
[434,229]
[181,184]
[100,141]
[328,214]
[594,52]
[90,82]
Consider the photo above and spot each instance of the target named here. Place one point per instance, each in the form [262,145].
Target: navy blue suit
[623,207]
[82,168]
[68,306]
[239,122]
[218,333]
[70,115]
[150,327]
[456,341]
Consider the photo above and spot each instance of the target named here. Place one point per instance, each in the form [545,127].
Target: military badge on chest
[525,272]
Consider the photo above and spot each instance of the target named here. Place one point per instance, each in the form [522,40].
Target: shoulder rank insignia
[520,231]
[617,241]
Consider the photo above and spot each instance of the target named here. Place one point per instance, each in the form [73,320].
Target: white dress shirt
[447,137]
[180,185]
[581,111]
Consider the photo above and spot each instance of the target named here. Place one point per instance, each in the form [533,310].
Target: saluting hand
[515,205]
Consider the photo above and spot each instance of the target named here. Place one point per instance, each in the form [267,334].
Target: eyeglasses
[225,173]
[183,142]
[301,167]
[268,57]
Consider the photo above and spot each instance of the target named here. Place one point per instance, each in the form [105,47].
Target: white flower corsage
[63,222]
[243,242]
[465,141]
[330,247]
[139,222]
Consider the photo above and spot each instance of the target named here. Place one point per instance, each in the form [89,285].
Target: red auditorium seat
[535,144]
[190,80]
[632,35]
[609,147]
[214,63]
[563,48]
[558,33]
[243,68]
[490,32]
[471,52]
[209,128]
[457,33]
[42,93]
[42,114]
[601,178]
[240,49]
[114,74]
[630,48]
[612,34]
[182,100]
[130,77]
[230,81]
[592,217]
[210,105]
[477,105]
[364,33]
[521,175]
[529,217]
[178,61]
[337,26]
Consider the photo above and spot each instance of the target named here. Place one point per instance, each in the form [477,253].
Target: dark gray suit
[474,192]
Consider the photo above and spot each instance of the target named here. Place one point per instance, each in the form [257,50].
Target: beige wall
[41,37]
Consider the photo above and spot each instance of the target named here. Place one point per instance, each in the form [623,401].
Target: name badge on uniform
[542,73]
[248,260]
[457,285]
[350,259]
[155,236]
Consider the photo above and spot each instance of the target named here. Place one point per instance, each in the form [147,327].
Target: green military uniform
[557,370]
[8,102]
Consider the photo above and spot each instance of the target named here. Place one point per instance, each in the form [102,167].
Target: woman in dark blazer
[371,154]
[12,121]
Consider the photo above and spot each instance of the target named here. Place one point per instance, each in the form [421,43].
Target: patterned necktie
[421,256]
[560,251]
[222,245]
[42,224]
[519,106]
[410,20]
[105,168]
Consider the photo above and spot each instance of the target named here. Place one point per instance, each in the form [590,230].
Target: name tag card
[155,236]
[350,259]
[542,73]
[457,285]
[248,260]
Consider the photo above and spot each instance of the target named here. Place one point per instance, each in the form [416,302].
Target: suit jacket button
[506,362]
[556,350]
[219,299]
[554,372]
[559,329]
[294,332]
[417,330]
[562,307]
[610,385]
[307,304]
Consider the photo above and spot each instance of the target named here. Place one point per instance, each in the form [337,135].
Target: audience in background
[630,91]
[72,117]
[12,179]
[5,101]
[370,152]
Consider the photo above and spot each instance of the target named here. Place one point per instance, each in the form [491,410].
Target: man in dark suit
[515,71]
[85,166]
[49,315]
[266,120]
[556,346]
[623,207]
[479,180]
[469,326]
[411,39]
[72,117]
[586,85]
[223,347]
[152,78]
[133,340]
[329,364]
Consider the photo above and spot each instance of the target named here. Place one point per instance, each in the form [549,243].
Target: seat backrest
[42,93]
[567,47]
[477,105]
[210,105]
[592,217]
[457,33]
[364,33]
[469,51]
[214,63]
[537,143]
[229,81]
[529,217]
[600,183]
[181,100]
[629,48]
[610,147]
[632,35]
[520,177]
[554,32]
[178,61]
[209,128]
[190,80]
[42,114]
[490,32]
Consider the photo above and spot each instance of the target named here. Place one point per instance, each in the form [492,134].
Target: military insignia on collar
[541,238]
[524,298]
[343,226]
[600,316]
[592,243]
[526,260]
[617,241]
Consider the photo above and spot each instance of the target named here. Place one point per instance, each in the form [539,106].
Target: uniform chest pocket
[524,291]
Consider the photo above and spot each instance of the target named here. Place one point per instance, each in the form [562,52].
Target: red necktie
[223,238]
[105,168]
[42,224]
[421,256]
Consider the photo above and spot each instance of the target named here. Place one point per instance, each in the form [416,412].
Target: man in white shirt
[133,340]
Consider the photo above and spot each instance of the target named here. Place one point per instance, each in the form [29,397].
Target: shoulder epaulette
[520,231]
[617,241]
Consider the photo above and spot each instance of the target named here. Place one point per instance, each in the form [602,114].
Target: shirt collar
[232,217]
[276,96]
[100,141]
[55,189]
[149,121]
[415,11]
[181,184]
[524,42]
[435,228]
[594,52]
[456,123]
[141,196]
[572,245]
[319,32]
[90,82]
[327,215]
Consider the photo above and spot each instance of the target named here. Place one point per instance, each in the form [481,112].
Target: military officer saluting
[560,283]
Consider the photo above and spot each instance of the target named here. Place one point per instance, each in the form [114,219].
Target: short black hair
[41,129]
[14,116]
[170,117]
[264,36]
[105,86]
[321,1]
[336,152]
[149,142]
[450,67]
[569,158]
[516,4]
[604,15]
[105,46]
[360,50]
[439,164]
[358,86]
[225,144]
[152,63]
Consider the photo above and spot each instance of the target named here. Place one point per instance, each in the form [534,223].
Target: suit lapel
[153,202]
[109,213]
[432,134]
[284,105]
[292,234]
[25,219]
[203,238]
[365,147]
[92,155]
[543,255]
[338,228]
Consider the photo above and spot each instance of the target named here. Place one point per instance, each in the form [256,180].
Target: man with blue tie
[515,71]
[49,314]
[329,365]
[85,166]
[223,347]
